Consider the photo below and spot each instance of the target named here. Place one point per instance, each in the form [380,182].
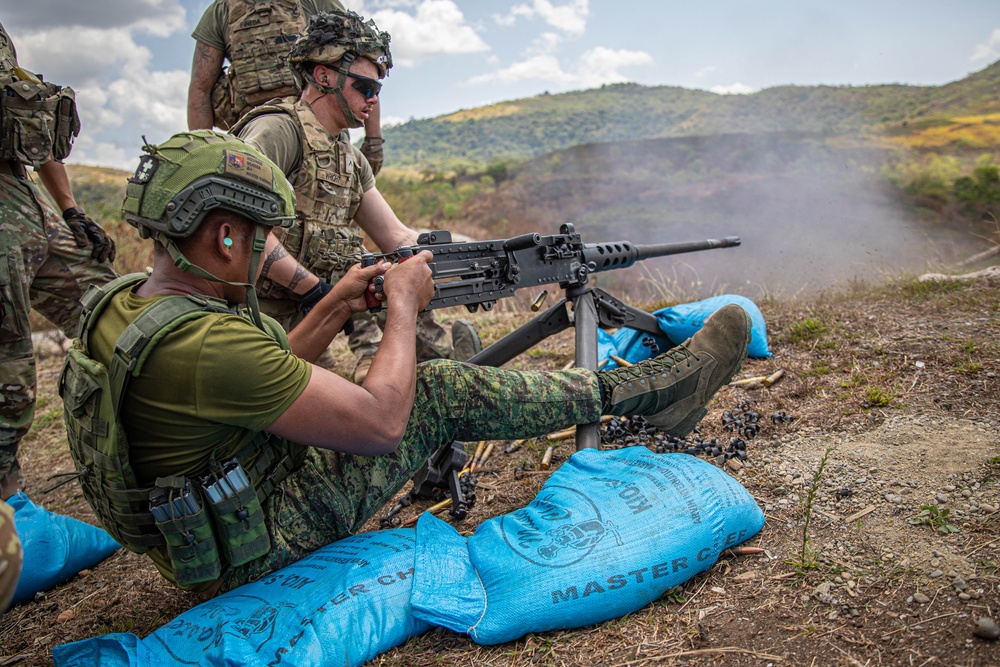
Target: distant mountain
[533,126]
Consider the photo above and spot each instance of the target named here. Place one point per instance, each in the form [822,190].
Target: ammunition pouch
[260,36]
[222,102]
[37,118]
[187,530]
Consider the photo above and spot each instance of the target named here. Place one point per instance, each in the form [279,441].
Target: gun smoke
[812,212]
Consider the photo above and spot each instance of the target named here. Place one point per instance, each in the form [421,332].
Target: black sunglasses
[365,86]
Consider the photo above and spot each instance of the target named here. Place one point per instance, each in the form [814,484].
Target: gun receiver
[477,273]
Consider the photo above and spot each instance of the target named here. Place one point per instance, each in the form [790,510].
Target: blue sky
[129,60]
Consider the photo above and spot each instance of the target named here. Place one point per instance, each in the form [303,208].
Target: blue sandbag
[682,321]
[341,605]
[627,344]
[679,323]
[610,532]
[56,547]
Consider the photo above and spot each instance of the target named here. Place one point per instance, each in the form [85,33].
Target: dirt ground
[881,496]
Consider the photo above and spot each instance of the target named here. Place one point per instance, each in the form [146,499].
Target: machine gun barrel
[477,273]
[622,254]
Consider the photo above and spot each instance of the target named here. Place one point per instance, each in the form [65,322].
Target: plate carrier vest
[93,394]
[324,239]
[260,35]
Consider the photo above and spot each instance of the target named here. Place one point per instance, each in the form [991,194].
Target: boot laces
[660,364]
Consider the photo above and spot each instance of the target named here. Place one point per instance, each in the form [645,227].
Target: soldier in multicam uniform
[339,58]
[245,390]
[255,37]
[46,261]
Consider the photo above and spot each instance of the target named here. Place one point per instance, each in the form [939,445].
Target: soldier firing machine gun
[475,274]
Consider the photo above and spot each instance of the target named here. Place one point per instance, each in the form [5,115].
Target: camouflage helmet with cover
[335,39]
[179,182]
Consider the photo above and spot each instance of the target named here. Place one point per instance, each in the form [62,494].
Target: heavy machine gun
[476,274]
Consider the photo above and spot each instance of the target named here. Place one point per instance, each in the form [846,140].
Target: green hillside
[533,126]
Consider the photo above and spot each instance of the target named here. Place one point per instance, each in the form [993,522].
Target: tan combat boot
[11,479]
[671,390]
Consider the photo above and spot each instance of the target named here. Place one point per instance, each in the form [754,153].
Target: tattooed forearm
[300,273]
[205,70]
[279,252]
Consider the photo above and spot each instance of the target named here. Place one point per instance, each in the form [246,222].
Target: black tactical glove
[314,296]
[87,232]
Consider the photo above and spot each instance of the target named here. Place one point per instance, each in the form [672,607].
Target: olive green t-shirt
[211,29]
[206,388]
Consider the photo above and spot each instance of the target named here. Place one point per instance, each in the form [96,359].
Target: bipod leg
[526,336]
[586,321]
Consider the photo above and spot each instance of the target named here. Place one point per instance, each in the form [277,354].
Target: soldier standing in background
[46,261]
[340,59]
[255,37]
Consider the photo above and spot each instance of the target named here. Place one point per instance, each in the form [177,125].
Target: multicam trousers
[11,556]
[41,267]
[332,495]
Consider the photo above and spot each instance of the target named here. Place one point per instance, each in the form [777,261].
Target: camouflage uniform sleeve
[211,29]
[365,174]
[11,556]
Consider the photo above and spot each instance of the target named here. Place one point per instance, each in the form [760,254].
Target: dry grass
[751,610]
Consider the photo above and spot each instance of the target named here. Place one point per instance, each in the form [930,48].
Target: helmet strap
[338,90]
[182,263]
[259,243]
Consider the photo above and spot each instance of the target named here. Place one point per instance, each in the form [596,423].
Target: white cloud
[989,50]
[547,42]
[732,89]
[119,96]
[570,17]
[595,67]
[156,17]
[439,27]
[104,154]
[389,121]
[541,67]
[604,63]
[705,71]
[157,98]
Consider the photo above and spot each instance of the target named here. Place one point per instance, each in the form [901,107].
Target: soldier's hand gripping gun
[477,273]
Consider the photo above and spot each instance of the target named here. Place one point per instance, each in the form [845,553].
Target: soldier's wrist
[73,212]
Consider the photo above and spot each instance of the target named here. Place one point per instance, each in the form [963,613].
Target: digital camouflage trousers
[41,268]
[332,495]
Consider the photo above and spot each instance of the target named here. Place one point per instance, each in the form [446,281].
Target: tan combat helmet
[336,39]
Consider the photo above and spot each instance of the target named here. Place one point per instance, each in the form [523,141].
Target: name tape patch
[249,168]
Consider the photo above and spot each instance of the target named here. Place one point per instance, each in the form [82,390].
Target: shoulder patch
[249,168]
[144,172]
